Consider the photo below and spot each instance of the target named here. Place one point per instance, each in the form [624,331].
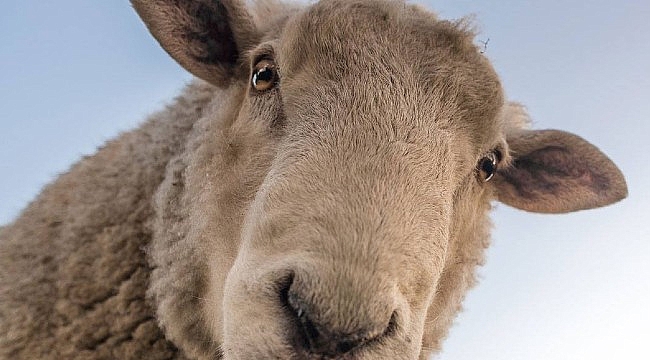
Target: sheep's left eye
[487,166]
[264,75]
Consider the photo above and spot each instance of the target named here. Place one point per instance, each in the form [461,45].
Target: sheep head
[337,201]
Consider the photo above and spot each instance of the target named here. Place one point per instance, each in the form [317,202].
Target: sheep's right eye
[487,166]
[265,75]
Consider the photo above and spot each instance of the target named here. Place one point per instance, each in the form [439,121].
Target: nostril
[306,327]
[297,336]
[309,328]
[284,285]
[392,325]
[345,346]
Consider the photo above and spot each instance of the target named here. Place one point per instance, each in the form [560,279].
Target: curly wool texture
[75,271]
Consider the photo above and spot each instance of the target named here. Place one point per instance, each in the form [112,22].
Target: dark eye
[487,166]
[264,75]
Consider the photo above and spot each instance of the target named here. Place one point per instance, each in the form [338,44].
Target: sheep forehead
[420,58]
[357,32]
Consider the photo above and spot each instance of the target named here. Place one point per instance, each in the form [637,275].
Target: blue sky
[74,73]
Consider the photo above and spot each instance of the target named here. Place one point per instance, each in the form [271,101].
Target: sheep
[313,194]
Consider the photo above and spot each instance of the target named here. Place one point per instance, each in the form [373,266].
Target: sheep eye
[264,75]
[487,166]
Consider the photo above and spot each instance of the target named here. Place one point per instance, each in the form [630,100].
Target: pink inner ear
[555,171]
[210,38]
[547,170]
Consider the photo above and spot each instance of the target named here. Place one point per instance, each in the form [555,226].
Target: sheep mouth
[296,329]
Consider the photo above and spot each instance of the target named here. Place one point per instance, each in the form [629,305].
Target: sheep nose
[322,336]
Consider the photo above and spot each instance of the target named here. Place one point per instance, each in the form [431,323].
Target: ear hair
[207,37]
[554,171]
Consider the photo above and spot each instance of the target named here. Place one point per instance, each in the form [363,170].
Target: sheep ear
[207,37]
[555,172]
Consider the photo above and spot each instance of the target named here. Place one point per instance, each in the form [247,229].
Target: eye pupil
[487,167]
[264,75]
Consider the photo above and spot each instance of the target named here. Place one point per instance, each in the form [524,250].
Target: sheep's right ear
[207,37]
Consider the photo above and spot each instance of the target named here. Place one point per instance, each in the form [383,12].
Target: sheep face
[345,242]
[367,139]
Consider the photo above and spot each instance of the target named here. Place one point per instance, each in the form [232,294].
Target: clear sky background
[74,73]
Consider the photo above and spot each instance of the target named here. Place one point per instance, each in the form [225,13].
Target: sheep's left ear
[555,172]
[207,37]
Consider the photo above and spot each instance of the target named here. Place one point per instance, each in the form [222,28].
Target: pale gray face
[352,222]
[366,139]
